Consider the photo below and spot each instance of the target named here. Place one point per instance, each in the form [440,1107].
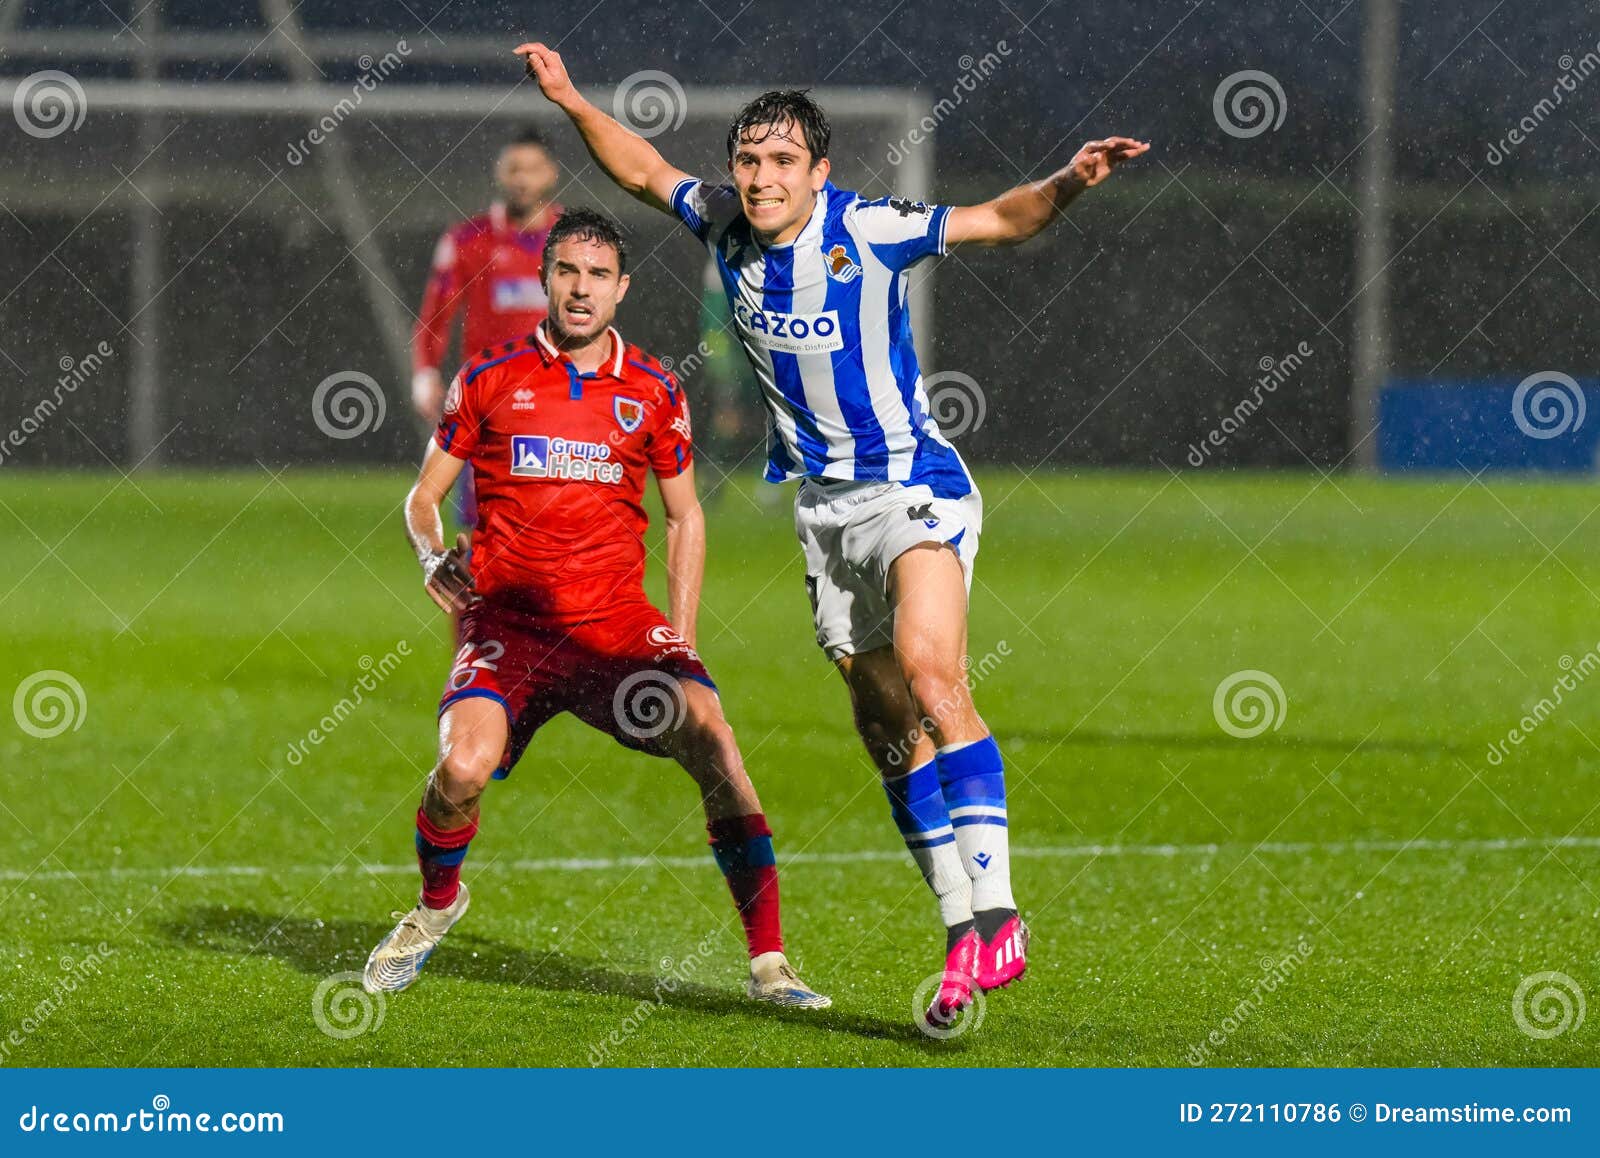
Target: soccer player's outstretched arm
[1020,213]
[628,159]
[444,573]
[686,550]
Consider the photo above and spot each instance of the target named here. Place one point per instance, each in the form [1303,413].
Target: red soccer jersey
[491,269]
[560,460]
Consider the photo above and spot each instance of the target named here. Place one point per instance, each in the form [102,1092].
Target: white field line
[609,864]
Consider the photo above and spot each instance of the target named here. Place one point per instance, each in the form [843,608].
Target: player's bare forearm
[627,158]
[445,573]
[686,550]
[1025,211]
[686,567]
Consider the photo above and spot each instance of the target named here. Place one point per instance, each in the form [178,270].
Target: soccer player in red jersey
[562,427]
[488,267]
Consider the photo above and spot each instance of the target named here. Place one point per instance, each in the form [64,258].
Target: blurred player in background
[563,427]
[886,511]
[732,424]
[489,267]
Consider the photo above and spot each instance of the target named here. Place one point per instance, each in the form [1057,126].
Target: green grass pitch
[1360,885]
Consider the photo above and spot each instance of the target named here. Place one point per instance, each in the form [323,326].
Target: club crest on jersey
[553,457]
[629,413]
[842,265]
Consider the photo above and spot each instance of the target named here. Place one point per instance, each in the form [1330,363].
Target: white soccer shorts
[852,531]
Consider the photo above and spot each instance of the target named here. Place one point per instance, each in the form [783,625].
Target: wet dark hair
[777,110]
[585,225]
[527,135]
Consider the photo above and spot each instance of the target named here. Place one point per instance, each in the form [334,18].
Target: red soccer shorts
[621,674]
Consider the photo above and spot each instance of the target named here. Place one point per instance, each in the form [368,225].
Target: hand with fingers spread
[1093,163]
[447,578]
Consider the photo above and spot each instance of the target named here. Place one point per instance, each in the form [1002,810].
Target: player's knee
[465,769]
[705,733]
[941,696]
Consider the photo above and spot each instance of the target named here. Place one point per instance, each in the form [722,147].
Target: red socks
[743,848]
[439,854]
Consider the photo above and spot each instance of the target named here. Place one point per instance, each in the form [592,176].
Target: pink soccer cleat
[1003,960]
[955,987]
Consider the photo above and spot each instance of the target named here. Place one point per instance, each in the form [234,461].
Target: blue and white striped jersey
[825,324]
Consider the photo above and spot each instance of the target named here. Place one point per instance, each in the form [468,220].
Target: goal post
[361,175]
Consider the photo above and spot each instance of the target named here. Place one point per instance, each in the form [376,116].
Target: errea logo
[522,399]
[565,459]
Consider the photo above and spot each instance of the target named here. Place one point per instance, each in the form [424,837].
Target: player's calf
[741,843]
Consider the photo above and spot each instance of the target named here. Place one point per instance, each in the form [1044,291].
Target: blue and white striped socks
[918,804]
[974,788]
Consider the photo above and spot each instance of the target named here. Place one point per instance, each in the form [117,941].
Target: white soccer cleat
[400,956]
[773,980]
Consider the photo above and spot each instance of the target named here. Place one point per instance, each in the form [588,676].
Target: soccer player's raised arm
[444,573]
[628,159]
[1020,213]
[686,550]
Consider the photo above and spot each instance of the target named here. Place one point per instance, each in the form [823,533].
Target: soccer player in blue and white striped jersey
[887,513]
